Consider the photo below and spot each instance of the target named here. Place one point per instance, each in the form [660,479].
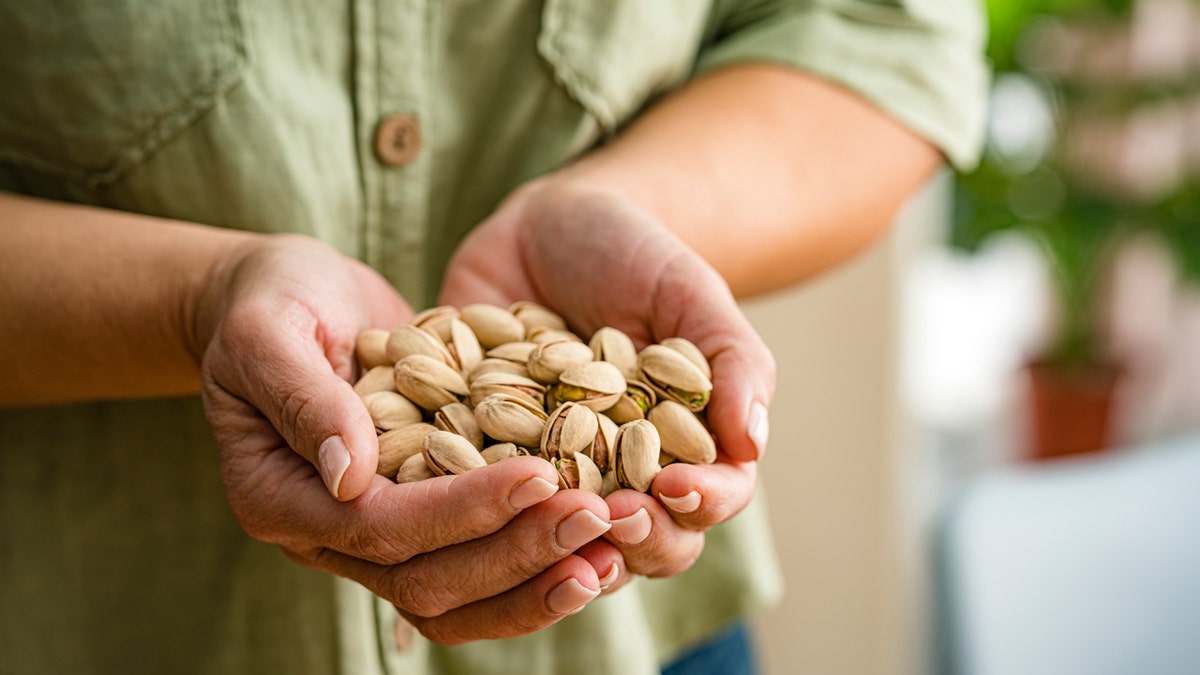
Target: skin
[809,173]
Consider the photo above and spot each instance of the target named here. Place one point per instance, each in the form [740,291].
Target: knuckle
[418,596]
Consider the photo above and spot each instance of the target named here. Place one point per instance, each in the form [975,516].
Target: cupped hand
[599,260]
[485,555]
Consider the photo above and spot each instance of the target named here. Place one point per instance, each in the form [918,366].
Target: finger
[606,560]
[650,541]
[446,579]
[563,589]
[386,307]
[701,496]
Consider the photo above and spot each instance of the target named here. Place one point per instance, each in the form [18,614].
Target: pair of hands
[499,551]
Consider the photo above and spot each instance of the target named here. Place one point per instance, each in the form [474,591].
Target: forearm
[770,174]
[100,304]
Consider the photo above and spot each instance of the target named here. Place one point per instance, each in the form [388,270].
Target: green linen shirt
[117,550]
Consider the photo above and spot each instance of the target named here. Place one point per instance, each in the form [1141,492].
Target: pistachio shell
[517,352]
[674,377]
[511,419]
[490,365]
[448,453]
[413,469]
[534,316]
[436,320]
[549,359]
[637,400]
[570,428]
[500,451]
[578,471]
[683,435]
[379,378]
[390,410]
[429,383]
[408,340]
[464,345]
[596,384]
[493,325]
[457,418]
[609,484]
[543,335]
[601,451]
[614,346]
[371,348]
[505,383]
[691,351]
[636,453]
[399,444]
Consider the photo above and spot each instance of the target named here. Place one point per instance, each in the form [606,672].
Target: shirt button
[397,139]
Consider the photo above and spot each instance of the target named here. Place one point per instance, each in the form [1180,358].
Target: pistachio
[511,419]
[578,471]
[493,325]
[535,316]
[683,434]
[371,348]
[408,340]
[570,428]
[399,444]
[549,359]
[609,484]
[500,451]
[390,410]
[691,351]
[517,352]
[614,346]
[464,345]
[491,365]
[379,378]
[450,454]
[429,383]
[504,383]
[414,469]
[543,335]
[436,320]
[636,453]
[637,400]
[457,418]
[602,448]
[596,384]
[674,377]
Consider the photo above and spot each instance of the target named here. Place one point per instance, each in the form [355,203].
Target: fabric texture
[118,552]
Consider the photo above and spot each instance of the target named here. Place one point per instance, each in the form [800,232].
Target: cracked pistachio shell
[507,383]
[596,384]
[371,348]
[448,453]
[511,419]
[579,472]
[490,365]
[457,418]
[636,454]
[674,377]
[379,378]
[549,359]
[464,345]
[493,325]
[544,335]
[683,435]
[570,428]
[500,451]
[413,469]
[428,382]
[408,340]
[390,410]
[399,444]
[536,316]
[611,345]
[601,449]
[691,351]
[517,352]
[609,484]
[637,400]
[436,320]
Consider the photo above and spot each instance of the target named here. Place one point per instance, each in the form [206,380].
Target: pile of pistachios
[457,389]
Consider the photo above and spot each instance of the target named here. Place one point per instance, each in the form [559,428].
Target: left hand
[598,259]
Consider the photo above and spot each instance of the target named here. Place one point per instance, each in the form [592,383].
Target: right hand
[490,554]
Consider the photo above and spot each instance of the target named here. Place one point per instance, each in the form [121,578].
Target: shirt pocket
[90,88]
[612,57]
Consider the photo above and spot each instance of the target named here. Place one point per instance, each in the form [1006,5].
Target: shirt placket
[392,82]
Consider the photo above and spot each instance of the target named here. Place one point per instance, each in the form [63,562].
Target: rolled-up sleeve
[920,61]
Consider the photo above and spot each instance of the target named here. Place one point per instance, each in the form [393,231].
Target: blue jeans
[729,652]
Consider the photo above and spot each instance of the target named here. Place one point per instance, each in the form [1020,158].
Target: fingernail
[569,597]
[760,427]
[334,459]
[578,529]
[611,578]
[531,492]
[685,504]
[632,529]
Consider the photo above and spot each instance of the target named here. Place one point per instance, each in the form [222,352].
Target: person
[205,202]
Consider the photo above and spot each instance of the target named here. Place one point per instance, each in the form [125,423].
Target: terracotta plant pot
[1071,408]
